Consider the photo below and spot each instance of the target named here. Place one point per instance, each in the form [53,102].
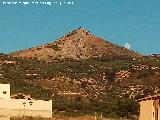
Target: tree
[125,107]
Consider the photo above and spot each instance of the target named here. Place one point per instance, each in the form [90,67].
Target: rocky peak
[82,31]
[77,44]
[78,31]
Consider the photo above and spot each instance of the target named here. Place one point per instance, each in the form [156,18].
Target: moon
[127,45]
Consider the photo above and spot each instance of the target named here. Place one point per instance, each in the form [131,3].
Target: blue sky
[135,22]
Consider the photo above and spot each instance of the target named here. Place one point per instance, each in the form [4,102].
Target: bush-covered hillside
[86,85]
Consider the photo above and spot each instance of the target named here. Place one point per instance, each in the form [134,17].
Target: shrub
[125,107]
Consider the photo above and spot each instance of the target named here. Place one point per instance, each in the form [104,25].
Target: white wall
[5,88]
[32,106]
[4,118]
[19,104]
[7,113]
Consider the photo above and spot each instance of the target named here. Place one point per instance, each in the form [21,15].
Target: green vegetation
[117,107]
[95,83]
[126,107]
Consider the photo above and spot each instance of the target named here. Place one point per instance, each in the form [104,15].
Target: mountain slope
[76,45]
[84,86]
[90,79]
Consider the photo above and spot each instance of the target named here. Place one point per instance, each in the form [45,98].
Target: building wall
[22,107]
[146,110]
[7,113]
[22,104]
[4,91]
[4,118]
[159,113]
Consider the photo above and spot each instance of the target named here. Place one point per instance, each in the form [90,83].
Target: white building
[11,106]
[4,91]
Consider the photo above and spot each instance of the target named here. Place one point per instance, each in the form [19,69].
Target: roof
[150,98]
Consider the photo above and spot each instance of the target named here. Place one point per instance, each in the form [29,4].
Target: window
[4,92]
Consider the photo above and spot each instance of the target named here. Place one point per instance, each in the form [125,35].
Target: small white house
[4,91]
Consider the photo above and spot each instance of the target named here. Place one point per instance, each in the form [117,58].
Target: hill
[79,44]
[81,73]
[84,86]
